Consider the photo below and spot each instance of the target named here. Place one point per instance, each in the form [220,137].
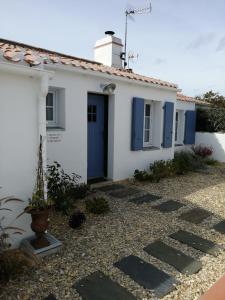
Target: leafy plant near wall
[183,162]
[10,265]
[64,189]
[202,150]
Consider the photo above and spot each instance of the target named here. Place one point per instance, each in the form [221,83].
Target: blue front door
[96,135]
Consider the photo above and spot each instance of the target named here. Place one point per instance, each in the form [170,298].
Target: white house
[96,118]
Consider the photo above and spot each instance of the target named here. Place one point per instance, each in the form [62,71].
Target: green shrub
[183,162]
[142,175]
[211,162]
[97,205]
[161,169]
[64,189]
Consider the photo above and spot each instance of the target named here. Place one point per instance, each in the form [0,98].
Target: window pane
[146,136]
[147,122]
[94,109]
[147,109]
[49,114]
[49,99]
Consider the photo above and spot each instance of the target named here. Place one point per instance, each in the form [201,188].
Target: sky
[180,41]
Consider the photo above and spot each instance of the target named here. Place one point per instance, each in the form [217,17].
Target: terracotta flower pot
[39,225]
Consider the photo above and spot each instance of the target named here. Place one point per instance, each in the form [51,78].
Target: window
[176,126]
[148,125]
[179,127]
[55,108]
[92,113]
[51,109]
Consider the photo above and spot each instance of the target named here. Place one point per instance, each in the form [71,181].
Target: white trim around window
[148,122]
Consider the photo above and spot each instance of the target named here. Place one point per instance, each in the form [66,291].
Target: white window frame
[54,122]
[150,142]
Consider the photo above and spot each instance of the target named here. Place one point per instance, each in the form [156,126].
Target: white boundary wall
[216,140]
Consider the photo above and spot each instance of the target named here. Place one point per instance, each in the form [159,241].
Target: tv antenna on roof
[128,13]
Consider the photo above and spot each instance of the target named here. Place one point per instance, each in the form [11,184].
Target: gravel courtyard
[126,230]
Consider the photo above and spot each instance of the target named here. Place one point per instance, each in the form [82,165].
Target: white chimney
[108,50]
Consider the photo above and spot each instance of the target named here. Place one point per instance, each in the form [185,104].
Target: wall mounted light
[108,88]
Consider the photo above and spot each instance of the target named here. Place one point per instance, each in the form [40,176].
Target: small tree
[211,119]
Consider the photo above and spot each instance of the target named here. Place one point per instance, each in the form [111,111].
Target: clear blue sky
[181,41]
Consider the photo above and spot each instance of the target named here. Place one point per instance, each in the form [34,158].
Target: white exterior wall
[216,140]
[70,147]
[184,106]
[19,143]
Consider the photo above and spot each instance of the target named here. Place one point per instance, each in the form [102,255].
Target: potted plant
[39,207]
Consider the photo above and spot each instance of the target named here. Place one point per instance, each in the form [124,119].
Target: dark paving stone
[195,215]
[147,275]
[145,199]
[126,192]
[220,227]
[111,187]
[169,206]
[50,297]
[98,286]
[196,242]
[180,261]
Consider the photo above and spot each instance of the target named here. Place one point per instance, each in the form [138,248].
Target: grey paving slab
[98,286]
[220,227]
[123,193]
[50,297]
[147,275]
[195,215]
[169,206]
[111,187]
[145,199]
[180,261]
[196,242]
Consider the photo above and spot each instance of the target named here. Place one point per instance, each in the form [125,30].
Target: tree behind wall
[212,118]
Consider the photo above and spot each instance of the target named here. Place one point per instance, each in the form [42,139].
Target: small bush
[210,161]
[202,151]
[183,162]
[161,169]
[64,189]
[142,175]
[77,219]
[97,205]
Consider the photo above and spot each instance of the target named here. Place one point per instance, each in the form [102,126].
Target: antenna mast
[129,12]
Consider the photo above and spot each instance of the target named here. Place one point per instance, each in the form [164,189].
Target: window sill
[179,145]
[150,148]
[56,128]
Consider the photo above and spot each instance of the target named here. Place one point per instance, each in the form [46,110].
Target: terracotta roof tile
[182,97]
[34,56]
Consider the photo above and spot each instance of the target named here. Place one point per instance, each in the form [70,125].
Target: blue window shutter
[137,124]
[168,125]
[190,123]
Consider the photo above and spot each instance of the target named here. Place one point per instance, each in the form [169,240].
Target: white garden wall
[216,140]
[19,142]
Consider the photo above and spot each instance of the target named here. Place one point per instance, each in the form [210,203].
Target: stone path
[220,227]
[98,286]
[196,242]
[147,275]
[195,215]
[180,261]
[169,206]
[145,199]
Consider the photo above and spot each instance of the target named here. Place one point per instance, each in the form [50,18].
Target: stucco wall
[19,136]
[216,140]
[70,148]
